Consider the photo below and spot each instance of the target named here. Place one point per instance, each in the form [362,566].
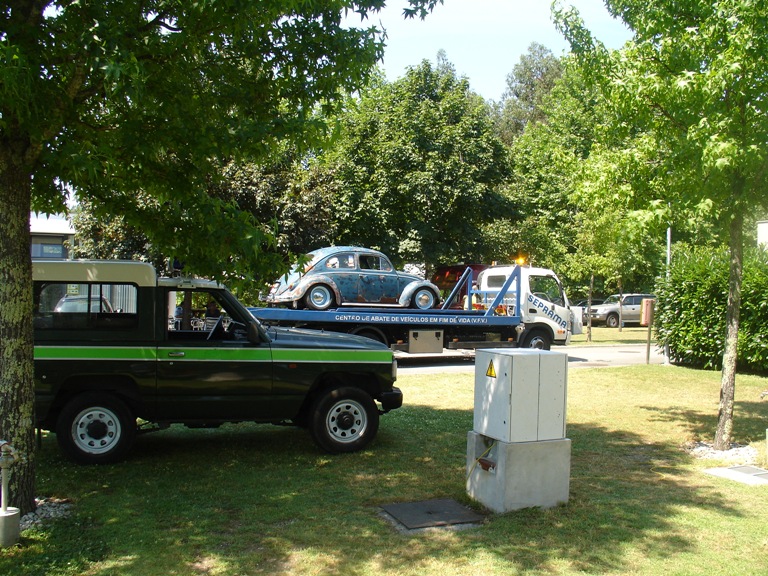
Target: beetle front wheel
[424,299]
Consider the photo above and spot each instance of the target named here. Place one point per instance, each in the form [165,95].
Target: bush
[691,309]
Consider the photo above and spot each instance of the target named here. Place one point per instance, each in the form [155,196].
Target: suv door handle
[175,354]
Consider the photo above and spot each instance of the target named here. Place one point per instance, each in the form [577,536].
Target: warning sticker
[491,372]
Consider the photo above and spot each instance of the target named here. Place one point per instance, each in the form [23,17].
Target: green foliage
[690,312]
[110,238]
[528,85]
[419,169]
[119,100]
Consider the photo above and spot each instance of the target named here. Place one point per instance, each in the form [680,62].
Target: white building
[49,234]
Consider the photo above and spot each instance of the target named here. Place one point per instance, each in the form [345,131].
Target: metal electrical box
[520,394]
[517,454]
[425,341]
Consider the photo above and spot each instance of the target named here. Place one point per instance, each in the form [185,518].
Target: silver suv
[631,308]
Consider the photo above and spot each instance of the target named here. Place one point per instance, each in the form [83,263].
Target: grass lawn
[260,499]
[602,336]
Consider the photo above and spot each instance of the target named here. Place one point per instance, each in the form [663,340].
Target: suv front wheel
[344,419]
[612,321]
[95,428]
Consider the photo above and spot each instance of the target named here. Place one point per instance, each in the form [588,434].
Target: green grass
[603,336]
[251,499]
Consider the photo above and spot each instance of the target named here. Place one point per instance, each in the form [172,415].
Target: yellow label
[491,372]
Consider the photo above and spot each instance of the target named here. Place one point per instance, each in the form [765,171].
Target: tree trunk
[589,307]
[17,398]
[621,305]
[724,432]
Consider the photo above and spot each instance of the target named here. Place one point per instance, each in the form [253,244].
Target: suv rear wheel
[344,419]
[95,428]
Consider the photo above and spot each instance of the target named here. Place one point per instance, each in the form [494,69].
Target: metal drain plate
[430,513]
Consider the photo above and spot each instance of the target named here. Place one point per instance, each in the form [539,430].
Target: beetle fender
[320,279]
[410,289]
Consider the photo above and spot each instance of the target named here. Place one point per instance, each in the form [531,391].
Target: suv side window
[91,306]
[201,315]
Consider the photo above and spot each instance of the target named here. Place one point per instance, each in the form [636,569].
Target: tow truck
[512,306]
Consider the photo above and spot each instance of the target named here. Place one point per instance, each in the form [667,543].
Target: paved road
[578,357]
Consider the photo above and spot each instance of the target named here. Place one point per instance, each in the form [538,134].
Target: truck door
[207,368]
[546,303]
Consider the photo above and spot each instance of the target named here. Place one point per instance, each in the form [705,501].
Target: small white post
[10,521]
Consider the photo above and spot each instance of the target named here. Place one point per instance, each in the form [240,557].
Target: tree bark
[17,397]
[589,307]
[724,433]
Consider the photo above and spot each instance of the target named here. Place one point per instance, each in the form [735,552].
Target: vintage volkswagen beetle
[351,276]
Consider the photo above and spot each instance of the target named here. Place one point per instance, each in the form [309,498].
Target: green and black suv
[115,345]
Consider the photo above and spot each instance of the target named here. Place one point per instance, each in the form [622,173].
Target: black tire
[423,299]
[96,428]
[612,321]
[372,333]
[537,339]
[344,419]
[319,297]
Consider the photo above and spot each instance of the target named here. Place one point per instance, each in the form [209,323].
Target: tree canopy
[419,168]
[113,99]
[687,96]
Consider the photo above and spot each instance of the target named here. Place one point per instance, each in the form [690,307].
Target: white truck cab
[544,306]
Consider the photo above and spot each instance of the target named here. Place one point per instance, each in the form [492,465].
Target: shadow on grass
[750,420]
[261,499]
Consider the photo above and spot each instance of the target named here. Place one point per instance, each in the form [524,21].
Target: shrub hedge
[691,307]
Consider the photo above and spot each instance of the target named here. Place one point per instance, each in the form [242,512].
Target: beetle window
[373,262]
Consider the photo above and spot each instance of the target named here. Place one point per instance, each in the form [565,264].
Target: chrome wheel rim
[96,430]
[346,421]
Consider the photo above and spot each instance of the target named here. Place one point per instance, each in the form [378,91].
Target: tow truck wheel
[344,419]
[319,297]
[424,299]
[372,333]
[536,339]
[96,429]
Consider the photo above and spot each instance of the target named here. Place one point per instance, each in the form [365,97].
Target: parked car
[73,304]
[631,308]
[446,277]
[582,305]
[351,276]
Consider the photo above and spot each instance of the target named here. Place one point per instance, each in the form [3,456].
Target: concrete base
[505,476]
[10,522]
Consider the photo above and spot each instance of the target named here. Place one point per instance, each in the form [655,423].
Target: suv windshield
[612,299]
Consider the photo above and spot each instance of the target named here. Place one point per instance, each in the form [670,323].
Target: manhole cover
[429,513]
